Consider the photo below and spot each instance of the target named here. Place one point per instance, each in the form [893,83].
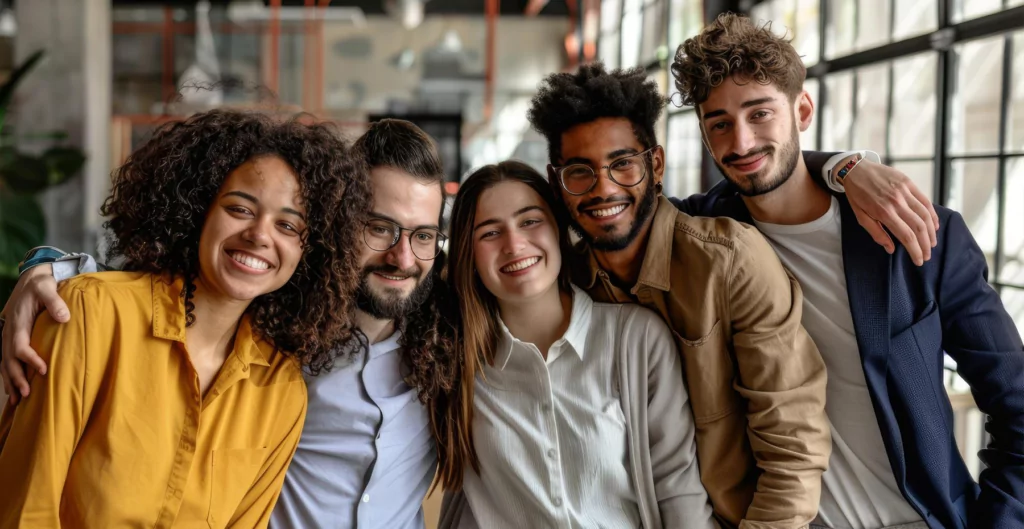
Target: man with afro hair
[755,377]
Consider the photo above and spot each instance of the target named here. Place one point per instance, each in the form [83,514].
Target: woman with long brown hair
[570,413]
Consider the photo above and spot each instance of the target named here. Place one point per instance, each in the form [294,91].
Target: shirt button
[366,498]
[245,367]
[552,453]
[558,502]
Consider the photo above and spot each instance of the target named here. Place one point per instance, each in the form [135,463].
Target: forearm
[782,379]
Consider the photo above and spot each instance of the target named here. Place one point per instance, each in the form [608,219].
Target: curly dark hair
[733,45]
[161,195]
[566,100]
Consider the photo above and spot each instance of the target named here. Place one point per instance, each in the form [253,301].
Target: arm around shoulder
[781,375]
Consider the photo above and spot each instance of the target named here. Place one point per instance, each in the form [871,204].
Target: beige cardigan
[662,453]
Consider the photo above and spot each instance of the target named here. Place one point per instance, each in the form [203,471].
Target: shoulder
[283,372]
[105,288]
[721,231]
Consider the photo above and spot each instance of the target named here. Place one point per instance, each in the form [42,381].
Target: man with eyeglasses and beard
[366,456]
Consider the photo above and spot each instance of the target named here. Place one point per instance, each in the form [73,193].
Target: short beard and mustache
[761,183]
[392,305]
[621,242]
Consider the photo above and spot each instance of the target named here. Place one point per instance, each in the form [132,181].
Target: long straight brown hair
[478,309]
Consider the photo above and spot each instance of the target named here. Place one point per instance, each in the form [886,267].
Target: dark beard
[616,244]
[758,184]
[391,306]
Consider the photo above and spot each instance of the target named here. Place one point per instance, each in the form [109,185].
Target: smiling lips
[249,261]
[520,265]
[752,165]
[391,277]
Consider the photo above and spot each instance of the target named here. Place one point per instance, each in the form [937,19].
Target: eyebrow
[746,104]
[381,216]
[614,154]
[254,200]
[517,212]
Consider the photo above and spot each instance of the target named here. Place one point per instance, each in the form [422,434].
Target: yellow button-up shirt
[118,434]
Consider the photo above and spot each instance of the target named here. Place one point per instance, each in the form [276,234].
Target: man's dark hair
[566,100]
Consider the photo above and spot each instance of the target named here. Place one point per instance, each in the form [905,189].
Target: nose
[400,255]
[514,242]
[743,138]
[604,187]
[257,232]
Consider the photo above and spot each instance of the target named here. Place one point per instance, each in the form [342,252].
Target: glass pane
[841,29]
[807,40]
[654,32]
[683,155]
[1012,266]
[872,23]
[974,120]
[838,112]
[872,103]
[610,15]
[809,137]
[965,9]
[660,77]
[762,12]
[922,174]
[973,192]
[1015,117]
[686,19]
[632,20]
[608,50]
[914,17]
[913,98]
[1013,300]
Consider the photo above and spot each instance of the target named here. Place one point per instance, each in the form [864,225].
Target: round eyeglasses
[579,179]
[382,235]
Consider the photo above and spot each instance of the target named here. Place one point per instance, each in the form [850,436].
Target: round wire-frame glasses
[579,179]
[382,235]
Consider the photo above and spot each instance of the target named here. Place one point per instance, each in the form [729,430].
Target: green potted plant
[24,175]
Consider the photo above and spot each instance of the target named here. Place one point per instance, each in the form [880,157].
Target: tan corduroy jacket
[756,380]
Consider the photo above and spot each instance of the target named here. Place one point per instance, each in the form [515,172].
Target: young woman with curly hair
[175,394]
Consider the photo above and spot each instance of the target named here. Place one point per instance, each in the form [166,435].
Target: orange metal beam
[167,80]
[491,14]
[275,45]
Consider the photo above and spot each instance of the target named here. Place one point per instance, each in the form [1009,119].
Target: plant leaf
[8,88]
[63,163]
[22,227]
[23,173]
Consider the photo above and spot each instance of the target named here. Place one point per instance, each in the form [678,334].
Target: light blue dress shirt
[366,457]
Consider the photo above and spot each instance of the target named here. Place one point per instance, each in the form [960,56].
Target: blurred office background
[934,86]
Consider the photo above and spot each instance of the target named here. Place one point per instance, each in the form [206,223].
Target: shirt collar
[657,259]
[575,336]
[169,321]
[386,345]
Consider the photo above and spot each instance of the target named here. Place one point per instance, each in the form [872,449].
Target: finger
[920,228]
[17,377]
[875,229]
[54,303]
[926,230]
[929,207]
[23,353]
[8,388]
[905,234]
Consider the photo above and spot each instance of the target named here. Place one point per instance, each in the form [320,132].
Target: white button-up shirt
[551,435]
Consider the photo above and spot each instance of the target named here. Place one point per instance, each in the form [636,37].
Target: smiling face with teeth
[251,241]
[515,243]
[610,217]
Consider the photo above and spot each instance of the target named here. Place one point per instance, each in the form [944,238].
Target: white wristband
[833,164]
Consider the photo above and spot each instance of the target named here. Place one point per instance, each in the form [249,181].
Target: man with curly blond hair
[881,323]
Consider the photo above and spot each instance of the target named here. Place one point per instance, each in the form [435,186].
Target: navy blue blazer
[905,317]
